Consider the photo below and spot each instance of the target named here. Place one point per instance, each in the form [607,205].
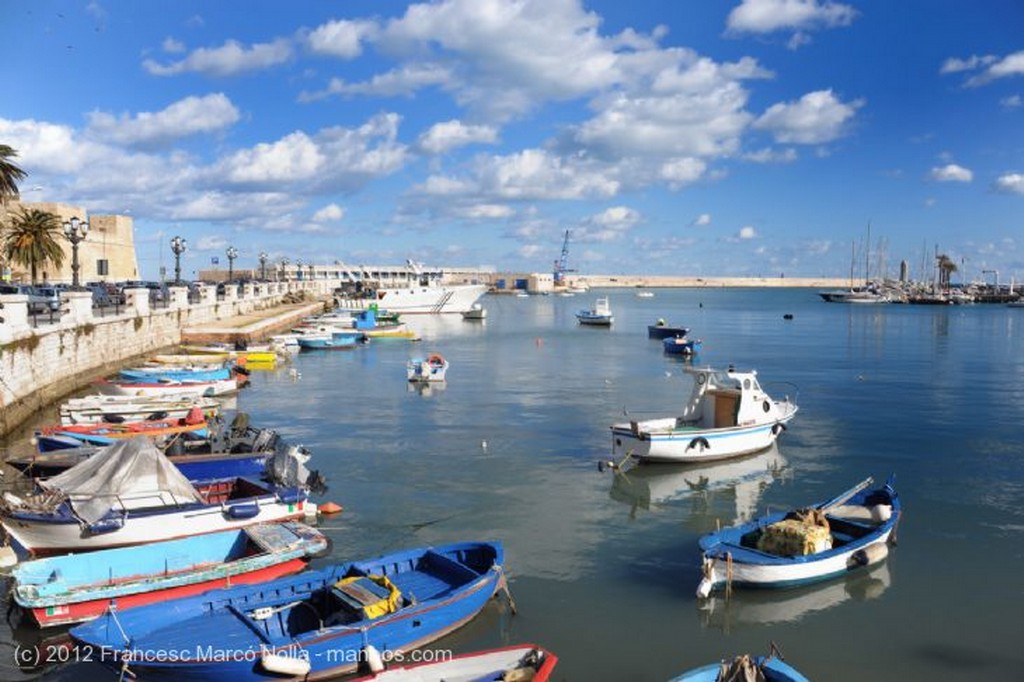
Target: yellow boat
[262,354]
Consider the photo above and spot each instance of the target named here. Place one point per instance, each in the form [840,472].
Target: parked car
[49,296]
[101,297]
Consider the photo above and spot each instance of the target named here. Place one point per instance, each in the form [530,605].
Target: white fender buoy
[7,557]
[309,510]
[285,665]
[881,513]
[373,659]
[871,554]
[704,589]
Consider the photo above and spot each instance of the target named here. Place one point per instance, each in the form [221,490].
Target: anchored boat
[727,414]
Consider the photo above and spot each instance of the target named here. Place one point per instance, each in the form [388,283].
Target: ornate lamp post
[232,255]
[311,275]
[75,230]
[284,268]
[263,264]
[298,268]
[178,246]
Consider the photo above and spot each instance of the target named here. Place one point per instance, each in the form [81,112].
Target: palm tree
[32,240]
[10,174]
[946,269]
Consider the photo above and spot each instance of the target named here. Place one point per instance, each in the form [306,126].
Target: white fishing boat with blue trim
[794,547]
[728,414]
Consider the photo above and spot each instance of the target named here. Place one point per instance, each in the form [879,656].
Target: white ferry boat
[413,290]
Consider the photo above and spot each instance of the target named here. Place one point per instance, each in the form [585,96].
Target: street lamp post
[284,269]
[75,230]
[263,264]
[298,268]
[178,246]
[232,255]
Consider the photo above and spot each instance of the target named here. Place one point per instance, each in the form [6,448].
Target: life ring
[699,440]
[701,378]
[778,428]
[766,406]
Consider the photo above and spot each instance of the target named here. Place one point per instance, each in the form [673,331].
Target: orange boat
[105,433]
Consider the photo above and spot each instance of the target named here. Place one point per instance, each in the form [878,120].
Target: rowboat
[102,433]
[680,345]
[662,330]
[728,414]
[431,368]
[129,493]
[476,312]
[196,466]
[264,353]
[337,340]
[115,408]
[168,387]
[77,587]
[313,625]
[770,668]
[787,548]
[522,662]
[174,373]
[598,316]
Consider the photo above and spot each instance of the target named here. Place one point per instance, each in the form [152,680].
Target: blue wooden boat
[317,624]
[338,340]
[661,330]
[150,374]
[771,668]
[198,466]
[680,345]
[806,545]
[76,587]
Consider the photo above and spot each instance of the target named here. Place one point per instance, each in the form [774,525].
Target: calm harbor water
[603,568]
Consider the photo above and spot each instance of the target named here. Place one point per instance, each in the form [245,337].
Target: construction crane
[562,264]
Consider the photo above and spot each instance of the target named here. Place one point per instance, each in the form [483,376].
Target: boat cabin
[726,398]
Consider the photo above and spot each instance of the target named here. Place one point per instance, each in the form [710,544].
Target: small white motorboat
[727,414]
[431,368]
[598,316]
[477,312]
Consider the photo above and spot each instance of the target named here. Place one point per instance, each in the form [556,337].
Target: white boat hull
[796,573]
[420,299]
[205,388]
[41,537]
[657,440]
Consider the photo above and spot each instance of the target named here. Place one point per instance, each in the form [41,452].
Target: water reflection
[426,389]
[766,607]
[646,487]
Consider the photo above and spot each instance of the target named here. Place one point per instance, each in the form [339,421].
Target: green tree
[10,174]
[32,239]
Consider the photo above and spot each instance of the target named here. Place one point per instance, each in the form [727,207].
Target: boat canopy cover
[131,465]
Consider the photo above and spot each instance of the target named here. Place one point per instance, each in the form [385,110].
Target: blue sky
[719,137]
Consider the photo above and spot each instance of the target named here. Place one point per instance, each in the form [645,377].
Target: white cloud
[955,65]
[680,172]
[211,243]
[485,212]
[767,16]
[403,81]
[747,232]
[185,117]
[994,67]
[329,213]
[769,155]
[1012,102]
[443,137]
[816,118]
[702,220]
[1012,183]
[341,38]
[230,59]
[172,46]
[951,173]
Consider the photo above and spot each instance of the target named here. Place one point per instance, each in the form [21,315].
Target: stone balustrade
[43,363]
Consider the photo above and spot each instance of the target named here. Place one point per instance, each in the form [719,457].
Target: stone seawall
[42,364]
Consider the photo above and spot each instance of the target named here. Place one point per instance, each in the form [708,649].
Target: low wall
[42,364]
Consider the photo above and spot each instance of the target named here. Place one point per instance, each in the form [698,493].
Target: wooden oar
[843,497]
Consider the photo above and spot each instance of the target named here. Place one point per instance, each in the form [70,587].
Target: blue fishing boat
[77,587]
[663,330]
[316,624]
[598,316]
[680,345]
[150,374]
[770,668]
[338,340]
[805,545]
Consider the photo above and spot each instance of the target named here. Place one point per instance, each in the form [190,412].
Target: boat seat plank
[271,538]
[419,585]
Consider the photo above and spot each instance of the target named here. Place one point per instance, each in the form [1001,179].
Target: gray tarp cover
[133,465]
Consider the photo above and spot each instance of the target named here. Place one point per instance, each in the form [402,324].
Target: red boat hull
[86,610]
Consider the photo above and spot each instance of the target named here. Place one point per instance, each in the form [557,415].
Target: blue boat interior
[429,576]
